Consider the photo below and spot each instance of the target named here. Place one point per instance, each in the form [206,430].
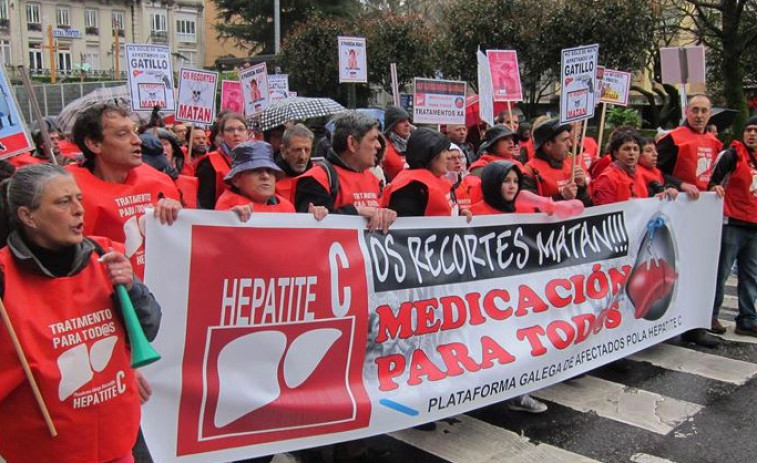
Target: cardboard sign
[485,97]
[197,96]
[683,65]
[615,87]
[353,63]
[438,101]
[255,89]
[231,96]
[505,75]
[577,77]
[278,87]
[150,77]
[13,137]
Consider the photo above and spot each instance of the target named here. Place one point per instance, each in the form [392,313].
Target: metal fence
[53,98]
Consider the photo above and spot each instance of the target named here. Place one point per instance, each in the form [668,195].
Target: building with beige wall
[216,48]
[84,33]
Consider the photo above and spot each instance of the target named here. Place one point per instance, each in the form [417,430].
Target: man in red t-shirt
[115,183]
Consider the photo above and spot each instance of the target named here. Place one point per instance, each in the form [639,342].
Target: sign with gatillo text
[150,77]
[285,333]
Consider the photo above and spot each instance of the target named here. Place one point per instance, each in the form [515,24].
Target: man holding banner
[549,172]
[687,156]
[344,183]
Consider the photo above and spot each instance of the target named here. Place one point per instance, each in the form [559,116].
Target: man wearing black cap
[422,190]
[549,172]
[500,144]
[735,175]
[396,132]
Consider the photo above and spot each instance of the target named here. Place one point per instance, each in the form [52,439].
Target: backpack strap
[332,176]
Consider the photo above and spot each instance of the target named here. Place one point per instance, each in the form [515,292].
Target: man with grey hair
[343,183]
[294,158]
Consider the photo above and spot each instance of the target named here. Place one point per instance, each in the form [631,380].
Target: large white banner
[284,333]
[150,76]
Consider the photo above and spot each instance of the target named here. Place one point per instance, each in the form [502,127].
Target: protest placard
[353,61]
[150,77]
[485,97]
[505,75]
[255,89]
[616,85]
[577,79]
[231,96]
[373,333]
[197,96]
[278,87]
[438,101]
[684,65]
[13,137]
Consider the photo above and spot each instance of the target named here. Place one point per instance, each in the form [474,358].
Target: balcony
[5,25]
[186,38]
[34,27]
[121,33]
[92,31]
[159,37]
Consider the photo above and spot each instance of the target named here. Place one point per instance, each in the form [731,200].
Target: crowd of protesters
[108,163]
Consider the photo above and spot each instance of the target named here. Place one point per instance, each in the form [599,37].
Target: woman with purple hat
[251,183]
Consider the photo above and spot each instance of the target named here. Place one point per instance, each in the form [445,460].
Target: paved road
[678,403]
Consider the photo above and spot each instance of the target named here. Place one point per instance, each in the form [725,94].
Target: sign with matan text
[197,96]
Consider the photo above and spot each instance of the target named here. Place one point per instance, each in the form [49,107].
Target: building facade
[84,34]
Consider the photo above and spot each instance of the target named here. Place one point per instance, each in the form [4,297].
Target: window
[92,57]
[33,13]
[185,30]
[118,20]
[62,14]
[4,9]
[5,53]
[35,57]
[90,18]
[186,58]
[158,22]
[64,61]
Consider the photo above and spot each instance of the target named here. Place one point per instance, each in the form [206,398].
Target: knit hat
[492,177]
[548,131]
[392,116]
[751,121]
[423,146]
[153,155]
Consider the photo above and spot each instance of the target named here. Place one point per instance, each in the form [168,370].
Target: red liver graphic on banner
[282,355]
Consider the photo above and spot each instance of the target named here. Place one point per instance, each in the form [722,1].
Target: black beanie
[424,145]
[751,121]
[492,177]
[153,155]
[392,115]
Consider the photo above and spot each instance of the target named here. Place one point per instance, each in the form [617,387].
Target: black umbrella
[723,118]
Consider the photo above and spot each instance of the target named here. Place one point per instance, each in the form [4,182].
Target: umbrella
[723,118]
[297,108]
[118,95]
[471,110]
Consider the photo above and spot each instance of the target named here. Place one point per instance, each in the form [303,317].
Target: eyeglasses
[234,129]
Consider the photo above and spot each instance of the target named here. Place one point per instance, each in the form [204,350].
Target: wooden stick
[510,114]
[574,155]
[601,131]
[189,145]
[28,371]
